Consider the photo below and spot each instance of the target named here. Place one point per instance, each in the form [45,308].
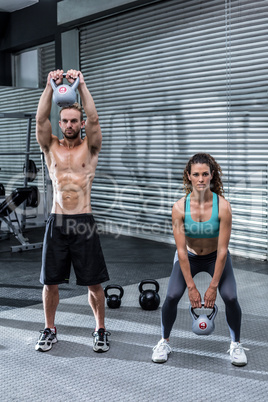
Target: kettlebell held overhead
[203,324]
[64,95]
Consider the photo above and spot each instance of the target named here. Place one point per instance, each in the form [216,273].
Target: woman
[202,226]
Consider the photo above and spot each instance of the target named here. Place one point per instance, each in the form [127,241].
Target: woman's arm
[179,235]
[225,216]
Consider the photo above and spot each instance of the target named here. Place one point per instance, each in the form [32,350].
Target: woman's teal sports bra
[202,230]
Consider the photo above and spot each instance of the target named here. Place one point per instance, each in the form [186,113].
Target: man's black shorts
[72,239]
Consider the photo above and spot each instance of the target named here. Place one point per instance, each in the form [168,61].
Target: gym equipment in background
[29,195]
[2,189]
[31,172]
[26,196]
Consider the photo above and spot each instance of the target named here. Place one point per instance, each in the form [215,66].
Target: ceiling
[13,5]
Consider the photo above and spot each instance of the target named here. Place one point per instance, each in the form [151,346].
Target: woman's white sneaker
[161,351]
[237,354]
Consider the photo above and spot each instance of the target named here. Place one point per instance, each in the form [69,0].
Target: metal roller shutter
[13,131]
[46,62]
[171,79]
[13,134]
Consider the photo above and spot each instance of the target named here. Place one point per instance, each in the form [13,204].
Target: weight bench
[30,195]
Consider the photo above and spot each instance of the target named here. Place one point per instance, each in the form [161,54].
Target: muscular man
[71,235]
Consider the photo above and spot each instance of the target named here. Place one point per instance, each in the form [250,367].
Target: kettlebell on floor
[113,300]
[149,299]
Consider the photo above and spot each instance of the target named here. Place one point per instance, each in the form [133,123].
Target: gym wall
[170,79]
[34,27]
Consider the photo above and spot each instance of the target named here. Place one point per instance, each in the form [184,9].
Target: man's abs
[72,200]
[72,173]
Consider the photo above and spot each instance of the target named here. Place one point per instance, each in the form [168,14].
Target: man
[71,235]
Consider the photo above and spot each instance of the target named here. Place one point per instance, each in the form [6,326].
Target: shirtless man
[71,235]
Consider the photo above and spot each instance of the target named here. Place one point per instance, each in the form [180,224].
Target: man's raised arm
[92,126]
[43,125]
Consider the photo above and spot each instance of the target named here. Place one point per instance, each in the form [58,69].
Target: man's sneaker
[237,354]
[161,352]
[100,341]
[46,340]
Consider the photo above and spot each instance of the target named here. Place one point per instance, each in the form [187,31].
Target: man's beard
[72,136]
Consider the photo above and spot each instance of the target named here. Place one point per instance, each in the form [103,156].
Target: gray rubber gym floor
[197,370]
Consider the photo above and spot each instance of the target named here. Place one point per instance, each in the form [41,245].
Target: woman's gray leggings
[227,289]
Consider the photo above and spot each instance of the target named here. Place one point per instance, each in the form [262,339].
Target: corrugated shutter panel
[46,62]
[13,134]
[169,80]
[13,131]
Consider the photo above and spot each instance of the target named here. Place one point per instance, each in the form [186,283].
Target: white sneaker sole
[234,363]
[159,361]
[100,349]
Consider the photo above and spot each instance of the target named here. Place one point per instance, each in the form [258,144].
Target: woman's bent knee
[231,301]
[172,300]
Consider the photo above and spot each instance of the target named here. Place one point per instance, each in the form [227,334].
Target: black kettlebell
[149,299]
[114,300]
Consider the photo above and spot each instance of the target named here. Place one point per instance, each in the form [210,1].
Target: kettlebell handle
[77,78]
[74,85]
[121,290]
[148,282]
[210,316]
